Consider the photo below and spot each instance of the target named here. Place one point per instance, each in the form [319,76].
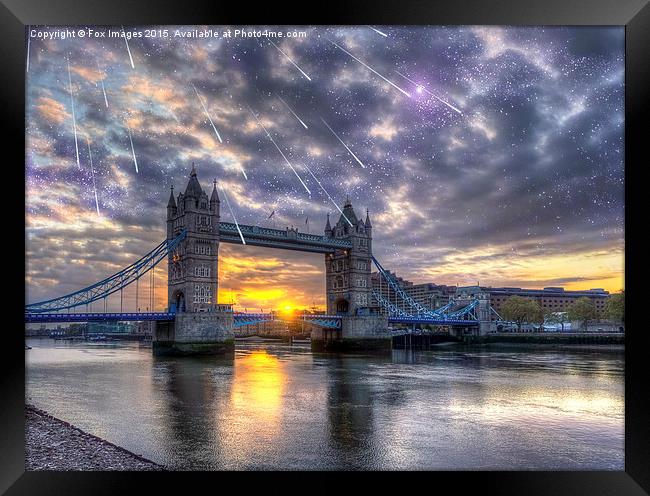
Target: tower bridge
[356,317]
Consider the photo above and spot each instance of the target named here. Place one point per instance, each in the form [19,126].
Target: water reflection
[190,392]
[255,408]
[258,384]
[276,406]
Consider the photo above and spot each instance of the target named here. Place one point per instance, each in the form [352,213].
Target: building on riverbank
[431,295]
[550,299]
[111,328]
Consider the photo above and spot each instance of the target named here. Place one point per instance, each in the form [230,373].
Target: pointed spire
[193,188]
[214,198]
[171,203]
[348,213]
[367,222]
[328,227]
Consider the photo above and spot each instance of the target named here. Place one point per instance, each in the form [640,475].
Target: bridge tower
[347,272]
[192,267]
[349,288]
[201,325]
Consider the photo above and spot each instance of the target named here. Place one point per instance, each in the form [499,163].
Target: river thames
[280,406]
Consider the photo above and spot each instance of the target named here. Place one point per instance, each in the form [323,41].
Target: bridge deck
[98,317]
[133,317]
[275,238]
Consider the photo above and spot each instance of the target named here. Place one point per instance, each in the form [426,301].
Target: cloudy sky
[489,154]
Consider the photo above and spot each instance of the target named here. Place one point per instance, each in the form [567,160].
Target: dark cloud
[533,165]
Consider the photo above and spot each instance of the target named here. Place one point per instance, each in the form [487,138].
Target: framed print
[383,240]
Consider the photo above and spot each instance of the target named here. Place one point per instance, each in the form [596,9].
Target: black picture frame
[633,14]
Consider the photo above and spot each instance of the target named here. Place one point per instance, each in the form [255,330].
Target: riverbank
[557,338]
[52,444]
[561,341]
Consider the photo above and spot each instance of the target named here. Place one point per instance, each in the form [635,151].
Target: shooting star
[377,31]
[127,48]
[93,174]
[104,91]
[233,215]
[207,114]
[290,110]
[371,69]
[103,88]
[211,123]
[430,93]
[289,59]
[135,161]
[328,195]
[281,153]
[346,146]
[74,119]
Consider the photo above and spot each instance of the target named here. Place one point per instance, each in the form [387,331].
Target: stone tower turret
[349,289]
[328,227]
[171,213]
[193,266]
[215,203]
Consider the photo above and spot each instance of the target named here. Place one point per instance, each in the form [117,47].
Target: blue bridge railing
[98,317]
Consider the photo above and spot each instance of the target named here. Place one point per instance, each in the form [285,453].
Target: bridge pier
[367,333]
[195,333]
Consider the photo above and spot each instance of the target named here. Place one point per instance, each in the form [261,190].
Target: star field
[491,154]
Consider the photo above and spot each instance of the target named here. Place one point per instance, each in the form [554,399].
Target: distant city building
[34,331]
[110,328]
[430,295]
[145,327]
[551,299]
[267,327]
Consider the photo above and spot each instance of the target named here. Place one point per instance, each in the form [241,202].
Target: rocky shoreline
[52,444]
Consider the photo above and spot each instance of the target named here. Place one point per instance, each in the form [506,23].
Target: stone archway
[342,306]
[179,300]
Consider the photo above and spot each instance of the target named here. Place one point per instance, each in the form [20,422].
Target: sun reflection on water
[258,384]
[256,404]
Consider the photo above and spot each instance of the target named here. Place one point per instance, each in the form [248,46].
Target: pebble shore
[52,444]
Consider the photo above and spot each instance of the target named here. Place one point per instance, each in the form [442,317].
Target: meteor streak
[104,91]
[93,174]
[135,161]
[103,88]
[281,153]
[294,114]
[127,48]
[377,31]
[211,123]
[74,120]
[233,215]
[289,59]
[434,96]
[207,114]
[371,69]
[328,195]
[346,146]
